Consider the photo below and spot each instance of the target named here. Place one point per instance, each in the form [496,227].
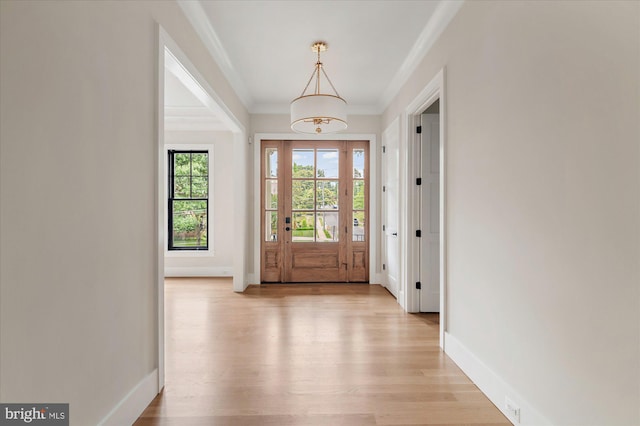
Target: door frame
[434,90]
[391,133]
[374,273]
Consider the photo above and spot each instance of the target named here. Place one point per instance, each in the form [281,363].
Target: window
[271,194]
[359,194]
[188,200]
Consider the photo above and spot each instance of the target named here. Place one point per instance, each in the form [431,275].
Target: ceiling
[263,47]
[183,110]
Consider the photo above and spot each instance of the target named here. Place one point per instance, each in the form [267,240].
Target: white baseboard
[492,385]
[377,279]
[401,300]
[196,271]
[132,405]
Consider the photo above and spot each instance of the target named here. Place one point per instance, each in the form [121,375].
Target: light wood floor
[306,355]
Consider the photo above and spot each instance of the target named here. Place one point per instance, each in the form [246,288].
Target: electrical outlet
[513,411]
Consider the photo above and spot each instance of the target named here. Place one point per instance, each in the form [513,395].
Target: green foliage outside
[191,180]
[358,195]
[305,232]
[325,193]
[191,175]
[303,191]
[189,223]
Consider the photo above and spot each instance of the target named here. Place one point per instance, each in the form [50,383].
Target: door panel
[317,198]
[357,203]
[315,249]
[271,201]
[315,264]
[359,266]
[391,202]
[430,214]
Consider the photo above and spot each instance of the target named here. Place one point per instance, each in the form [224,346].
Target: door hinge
[419,285]
[384,267]
[419,181]
[418,233]
[384,228]
[384,188]
[419,129]
[384,149]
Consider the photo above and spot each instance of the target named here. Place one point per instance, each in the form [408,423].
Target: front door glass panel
[270,194]
[359,195]
[315,177]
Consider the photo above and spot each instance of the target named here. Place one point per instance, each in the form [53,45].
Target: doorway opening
[373,273]
[426,260]
[186,102]
[314,211]
[428,150]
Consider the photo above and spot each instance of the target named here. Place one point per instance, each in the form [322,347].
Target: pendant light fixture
[318,112]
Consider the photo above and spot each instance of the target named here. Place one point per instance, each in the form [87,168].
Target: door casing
[433,91]
[197,83]
[344,259]
[374,227]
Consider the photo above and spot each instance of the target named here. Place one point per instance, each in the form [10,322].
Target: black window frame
[172,198]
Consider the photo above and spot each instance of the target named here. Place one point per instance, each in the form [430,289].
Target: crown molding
[441,17]
[198,18]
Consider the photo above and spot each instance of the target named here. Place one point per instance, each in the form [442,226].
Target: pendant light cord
[316,72]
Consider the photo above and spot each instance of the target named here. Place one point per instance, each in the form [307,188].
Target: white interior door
[391,204]
[430,214]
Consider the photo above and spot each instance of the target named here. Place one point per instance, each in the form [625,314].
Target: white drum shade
[312,112]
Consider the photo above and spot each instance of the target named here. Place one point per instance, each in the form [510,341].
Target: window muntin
[359,195]
[315,197]
[271,194]
[188,200]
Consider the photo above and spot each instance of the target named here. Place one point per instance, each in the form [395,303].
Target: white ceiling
[263,47]
[176,94]
[182,108]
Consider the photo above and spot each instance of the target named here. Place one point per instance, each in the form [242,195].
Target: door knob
[287,229]
[395,234]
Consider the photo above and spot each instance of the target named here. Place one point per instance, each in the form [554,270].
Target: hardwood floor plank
[263,420]
[306,355]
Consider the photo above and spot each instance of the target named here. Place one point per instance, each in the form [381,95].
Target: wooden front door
[315,209]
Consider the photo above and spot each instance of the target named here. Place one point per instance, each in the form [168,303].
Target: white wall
[544,202]
[218,261]
[78,144]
